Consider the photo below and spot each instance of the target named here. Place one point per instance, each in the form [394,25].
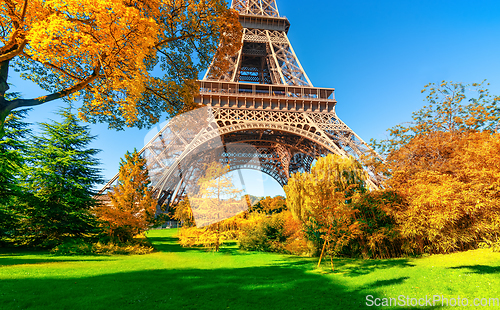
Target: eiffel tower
[263,114]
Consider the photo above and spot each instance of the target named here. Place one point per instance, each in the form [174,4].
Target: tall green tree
[131,208]
[61,172]
[12,148]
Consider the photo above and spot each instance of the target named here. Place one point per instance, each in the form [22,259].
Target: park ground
[185,278]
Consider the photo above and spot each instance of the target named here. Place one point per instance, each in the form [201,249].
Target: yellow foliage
[213,235]
[278,232]
[106,51]
[132,207]
[451,185]
[217,198]
[190,237]
[184,214]
[321,200]
[270,205]
[453,108]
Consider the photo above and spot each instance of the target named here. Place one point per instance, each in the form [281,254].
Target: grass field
[179,278]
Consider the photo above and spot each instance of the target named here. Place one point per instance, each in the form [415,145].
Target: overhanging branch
[18,103]
[13,53]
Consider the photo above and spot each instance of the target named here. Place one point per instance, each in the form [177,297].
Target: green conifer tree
[12,147]
[61,173]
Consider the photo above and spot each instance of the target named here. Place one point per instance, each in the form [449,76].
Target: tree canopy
[12,147]
[127,61]
[270,205]
[451,107]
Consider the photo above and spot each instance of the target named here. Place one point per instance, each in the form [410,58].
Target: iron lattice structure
[263,114]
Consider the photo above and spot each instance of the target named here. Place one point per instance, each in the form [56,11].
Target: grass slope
[179,278]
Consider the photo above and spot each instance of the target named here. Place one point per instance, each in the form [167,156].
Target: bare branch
[11,12]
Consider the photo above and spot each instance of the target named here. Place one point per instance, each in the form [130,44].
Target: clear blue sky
[378,55]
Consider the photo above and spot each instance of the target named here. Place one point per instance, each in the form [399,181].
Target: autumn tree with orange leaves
[445,167]
[127,61]
[131,208]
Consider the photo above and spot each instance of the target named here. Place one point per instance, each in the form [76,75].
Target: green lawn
[178,278]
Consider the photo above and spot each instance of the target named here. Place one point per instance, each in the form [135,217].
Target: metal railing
[267,91]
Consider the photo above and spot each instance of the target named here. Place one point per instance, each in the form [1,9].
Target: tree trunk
[217,233]
[322,252]
[324,244]
[4,86]
[4,74]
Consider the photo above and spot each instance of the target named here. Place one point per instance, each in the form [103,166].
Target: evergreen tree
[131,208]
[60,175]
[12,146]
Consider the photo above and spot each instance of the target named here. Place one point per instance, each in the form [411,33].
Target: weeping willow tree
[321,200]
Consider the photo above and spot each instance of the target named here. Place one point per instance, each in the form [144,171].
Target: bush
[81,247]
[255,231]
[279,233]
[73,247]
[496,247]
[253,237]
[207,237]
[229,229]
[192,236]
[488,244]
[138,248]
[379,236]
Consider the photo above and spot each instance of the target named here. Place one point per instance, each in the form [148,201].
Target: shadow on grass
[479,269]
[269,287]
[34,257]
[286,285]
[27,261]
[360,267]
[266,287]
[171,245]
[382,283]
